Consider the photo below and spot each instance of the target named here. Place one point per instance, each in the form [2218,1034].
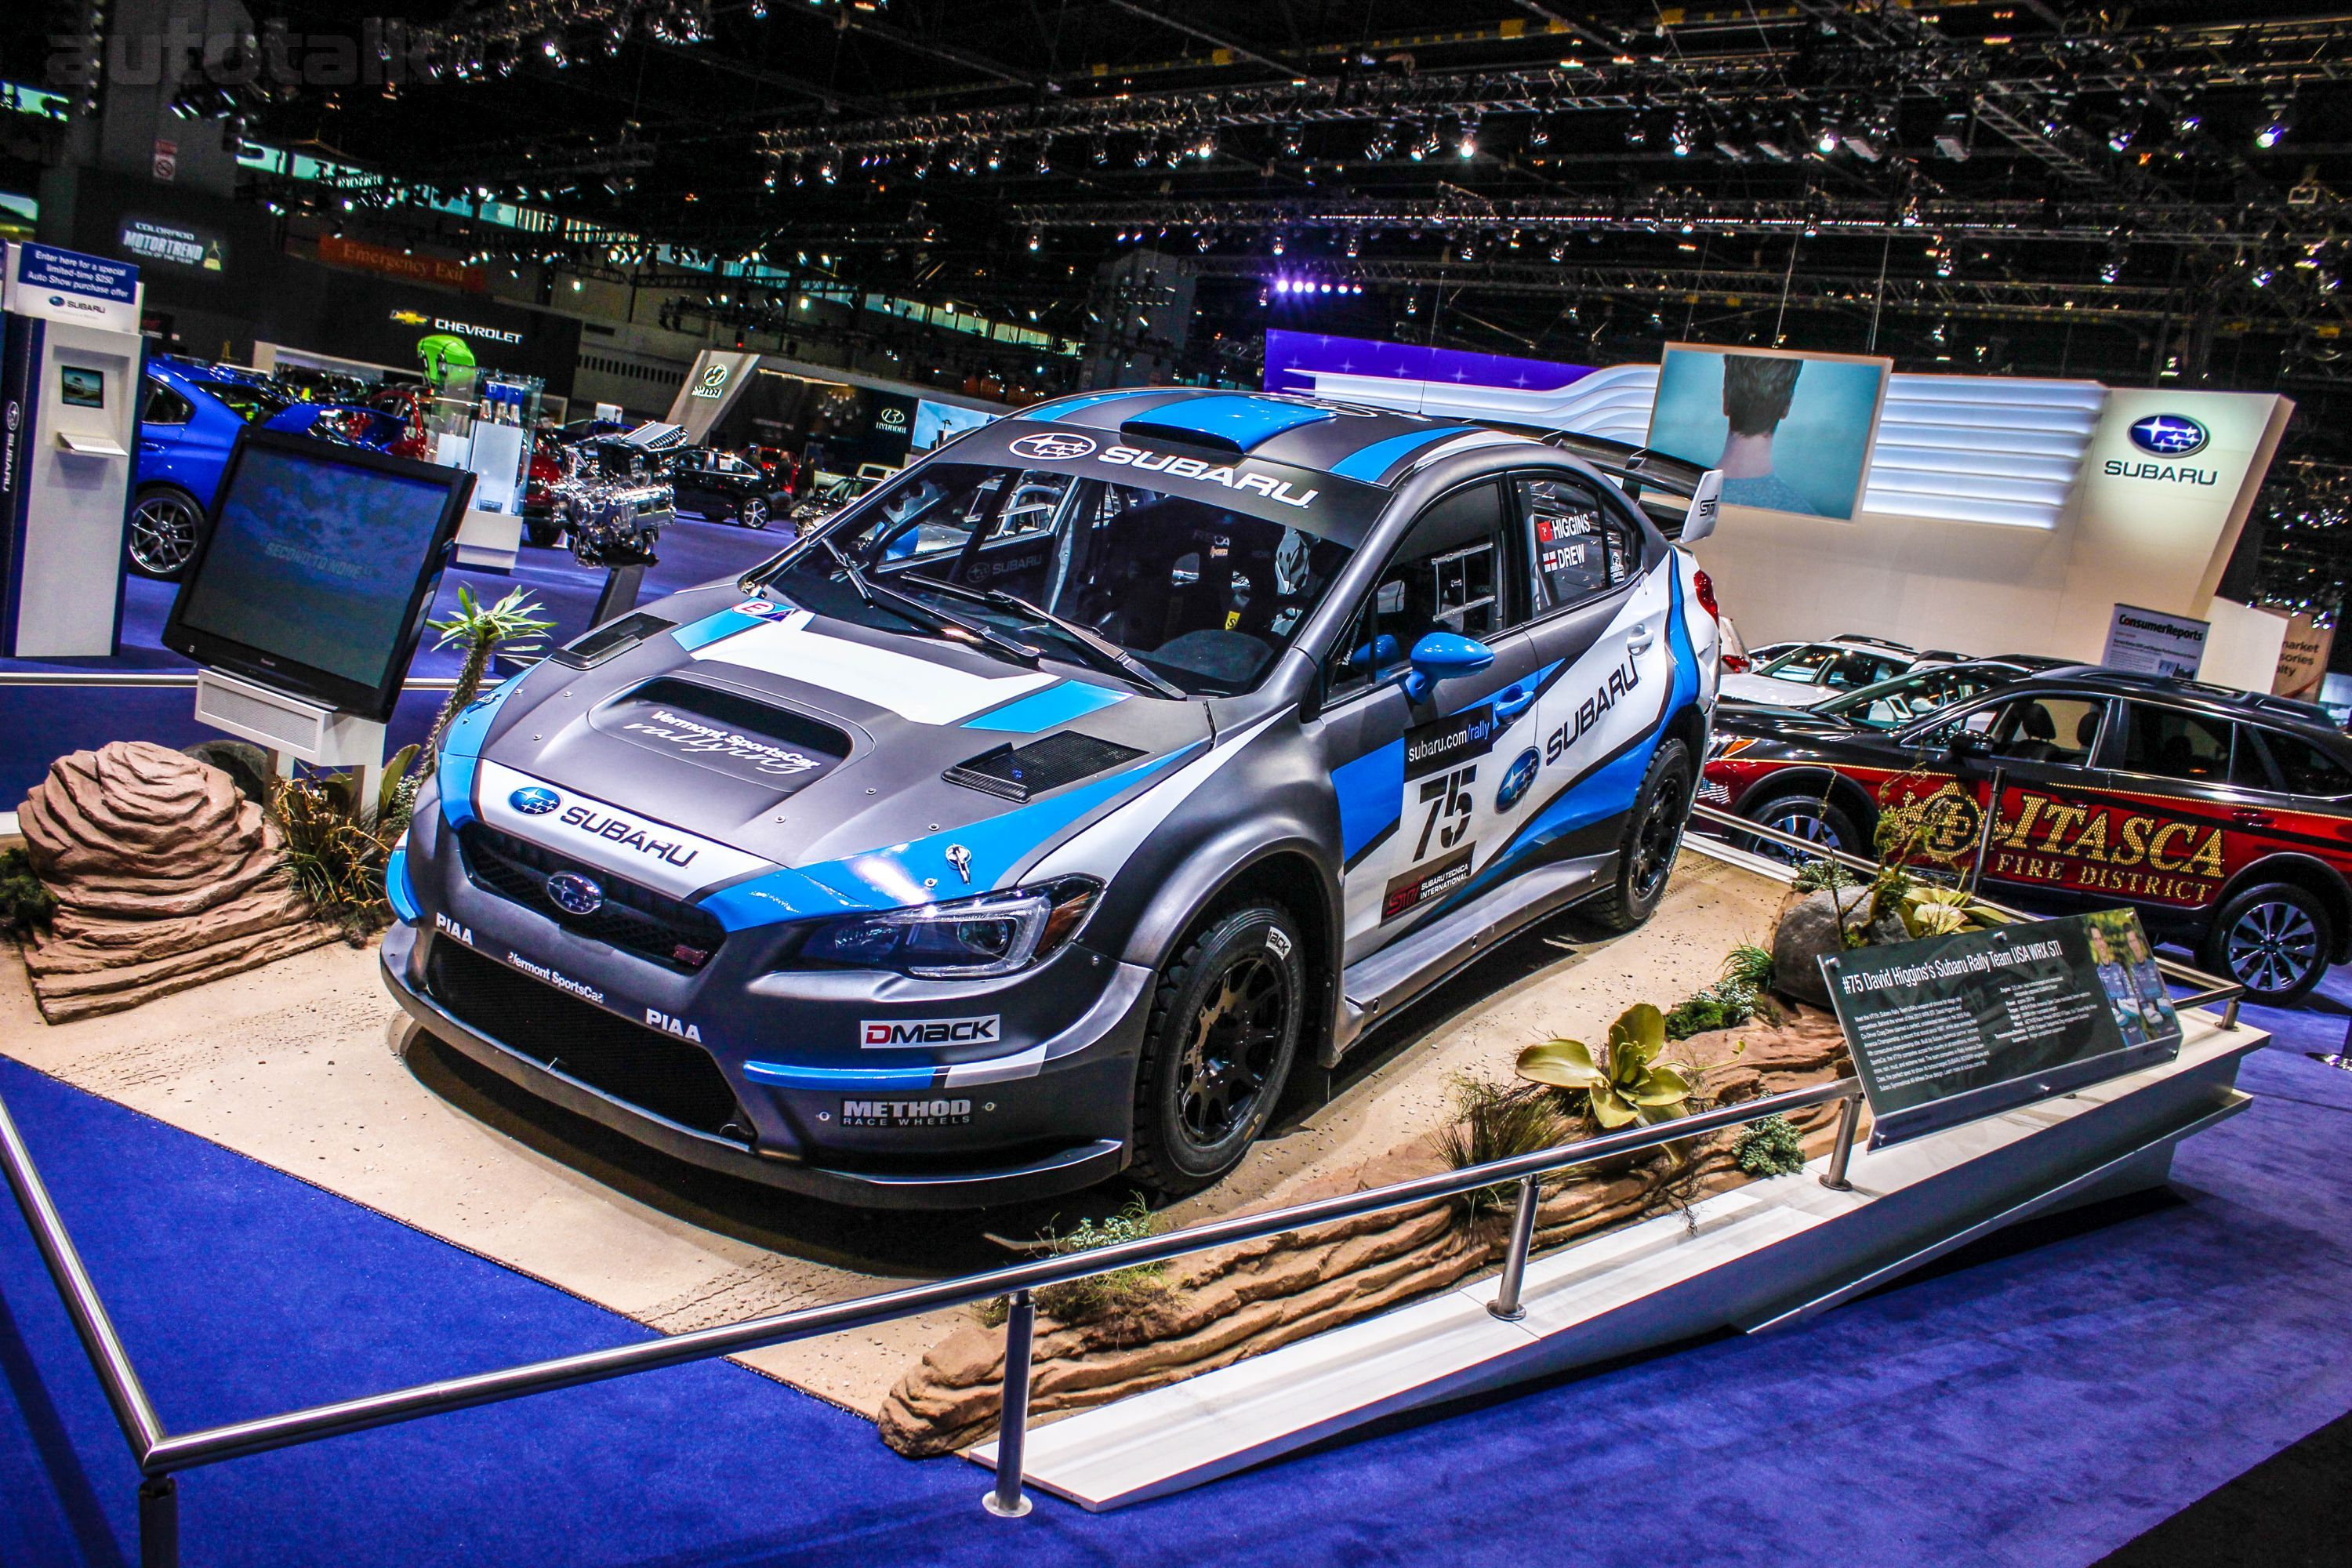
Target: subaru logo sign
[1515,784]
[534,801]
[574,894]
[2168,435]
[1055,448]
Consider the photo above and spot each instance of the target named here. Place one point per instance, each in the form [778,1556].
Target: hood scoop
[1024,772]
[724,732]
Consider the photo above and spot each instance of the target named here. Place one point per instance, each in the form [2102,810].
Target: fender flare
[1216,864]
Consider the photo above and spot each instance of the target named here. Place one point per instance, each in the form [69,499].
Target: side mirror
[1966,747]
[1442,655]
[1376,654]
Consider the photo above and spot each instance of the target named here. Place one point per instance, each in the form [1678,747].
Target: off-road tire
[1652,838]
[1179,1093]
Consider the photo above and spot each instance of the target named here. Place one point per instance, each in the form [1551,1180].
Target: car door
[1418,774]
[2053,822]
[1603,667]
[163,417]
[690,487]
[2189,797]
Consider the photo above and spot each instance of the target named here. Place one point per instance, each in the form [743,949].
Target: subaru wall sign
[2168,435]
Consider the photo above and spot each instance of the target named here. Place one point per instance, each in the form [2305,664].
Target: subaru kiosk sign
[68,401]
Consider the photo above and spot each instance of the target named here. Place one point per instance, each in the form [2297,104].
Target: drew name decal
[627,835]
[1621,682]
[885,1033]
[1145,460]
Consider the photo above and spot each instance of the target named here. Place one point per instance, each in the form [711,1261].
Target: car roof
[1370,446]
[2171,691]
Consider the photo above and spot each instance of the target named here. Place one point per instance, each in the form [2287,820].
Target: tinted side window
[2304,768]
[165,406]
[1567,539]
[2169,743]
[2049,728]
[1446,577]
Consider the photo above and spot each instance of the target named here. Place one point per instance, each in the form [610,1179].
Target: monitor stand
[292,728]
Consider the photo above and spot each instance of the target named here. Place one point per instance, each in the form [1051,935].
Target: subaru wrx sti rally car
[1027,820]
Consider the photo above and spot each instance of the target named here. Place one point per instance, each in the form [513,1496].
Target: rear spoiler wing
[1680,497]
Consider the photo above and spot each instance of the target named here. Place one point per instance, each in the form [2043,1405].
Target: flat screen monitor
[315,568]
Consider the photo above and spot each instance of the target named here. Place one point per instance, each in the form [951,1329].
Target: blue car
[1027,820]
[189,419]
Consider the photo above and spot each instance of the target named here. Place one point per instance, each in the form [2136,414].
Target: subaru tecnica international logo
[2168,435]
[534,801]
[1054,448]
[574,894]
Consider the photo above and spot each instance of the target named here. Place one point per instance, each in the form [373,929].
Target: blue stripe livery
[839,1077]
[396,888]
[1371,795]
[900,876]
[461,747]
[1369,463]
[710,629]
[1241,422]
[1043,709]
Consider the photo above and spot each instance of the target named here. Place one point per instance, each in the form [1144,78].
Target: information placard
[1951,1028]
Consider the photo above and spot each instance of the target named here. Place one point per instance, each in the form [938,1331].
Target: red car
[2225,818]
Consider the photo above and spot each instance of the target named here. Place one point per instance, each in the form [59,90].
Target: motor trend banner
[1953,1028]
[2154,643]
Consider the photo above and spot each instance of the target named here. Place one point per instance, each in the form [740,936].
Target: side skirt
[1376,985]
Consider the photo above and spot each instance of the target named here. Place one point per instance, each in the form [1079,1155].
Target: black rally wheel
[1223,1029]
[2274,940]
[1652,836]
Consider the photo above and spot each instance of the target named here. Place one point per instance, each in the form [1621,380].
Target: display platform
[1761,1256]
[298,1066]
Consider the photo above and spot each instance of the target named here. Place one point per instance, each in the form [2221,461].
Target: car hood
[1735,717]
[732,737]
[1767,691]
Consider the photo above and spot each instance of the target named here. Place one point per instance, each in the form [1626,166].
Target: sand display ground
[307,1065]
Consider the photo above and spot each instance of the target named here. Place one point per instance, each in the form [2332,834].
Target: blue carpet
[2042,1406]
[46,723]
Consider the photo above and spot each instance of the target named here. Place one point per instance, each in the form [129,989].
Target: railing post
[1005,1498]
[1990,820]
[1505,1304]
[158,1522]
[1849,1122]
[2229,1012]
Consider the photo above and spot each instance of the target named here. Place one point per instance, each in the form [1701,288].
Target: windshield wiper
[1100,651]
[877,595]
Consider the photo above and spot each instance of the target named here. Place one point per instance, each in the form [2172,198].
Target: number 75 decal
[1448,799]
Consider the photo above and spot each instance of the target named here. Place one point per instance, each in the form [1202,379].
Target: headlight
[967,939]
[1723,746]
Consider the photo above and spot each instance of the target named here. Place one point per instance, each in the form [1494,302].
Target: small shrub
[337,844]
[1815,874]
[25,904]
[1730,1002]
[1748,966]
[1769,1148]
[1097,1296]
[1494,1121]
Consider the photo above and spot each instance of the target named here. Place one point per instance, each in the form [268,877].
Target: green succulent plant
[1628,1083]
[1939,912]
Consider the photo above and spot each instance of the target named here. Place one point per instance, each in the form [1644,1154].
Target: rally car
[2225,818]
[1027,821]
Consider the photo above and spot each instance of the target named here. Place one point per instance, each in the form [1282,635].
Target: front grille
[628,1061]
[652,925]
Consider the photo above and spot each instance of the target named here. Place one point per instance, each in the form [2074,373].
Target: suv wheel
[752,513]
[1653,834]
[1807,817]
[1223,1029]
[164,523]
[2273,939]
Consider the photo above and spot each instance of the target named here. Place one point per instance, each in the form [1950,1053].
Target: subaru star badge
[574,894]
[534,801]
[2168,435]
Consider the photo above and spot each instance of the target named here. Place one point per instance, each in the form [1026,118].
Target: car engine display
[612,502]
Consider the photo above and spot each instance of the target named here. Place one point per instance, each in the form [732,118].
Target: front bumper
[1063,1117]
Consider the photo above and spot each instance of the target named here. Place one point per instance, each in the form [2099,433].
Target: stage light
[1678,137]
[1952,138]
[2275,127]
[1828,141]
[1466,145]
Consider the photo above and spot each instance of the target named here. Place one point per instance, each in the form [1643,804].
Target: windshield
[1204,596]
[253,403]
[1891,704]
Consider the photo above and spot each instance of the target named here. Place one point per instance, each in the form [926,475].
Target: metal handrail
[160,1455]
[2214,987]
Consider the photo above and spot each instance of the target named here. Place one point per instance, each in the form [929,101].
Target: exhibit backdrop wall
[1999,513]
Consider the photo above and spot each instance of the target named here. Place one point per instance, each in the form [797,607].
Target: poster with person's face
[1791,432]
